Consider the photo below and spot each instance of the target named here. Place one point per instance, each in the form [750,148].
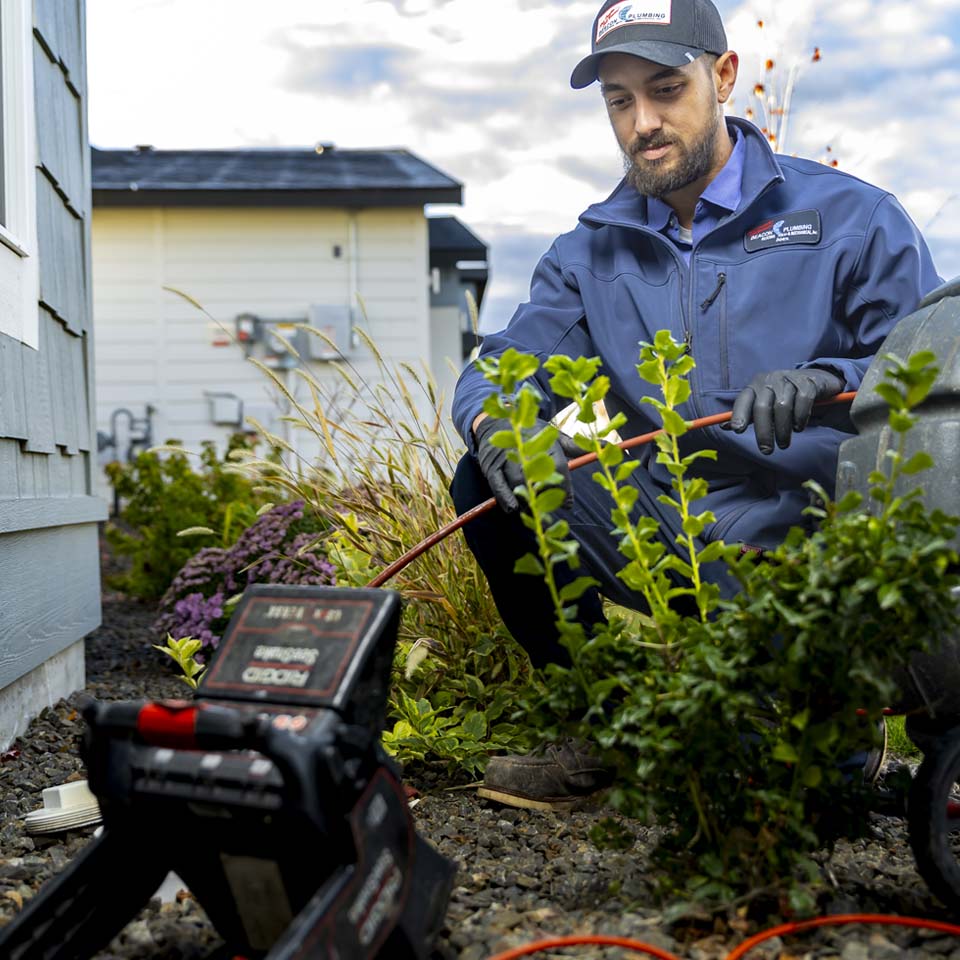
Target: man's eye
[617,104]
[670,91]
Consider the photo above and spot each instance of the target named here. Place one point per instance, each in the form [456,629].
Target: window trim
[19,270]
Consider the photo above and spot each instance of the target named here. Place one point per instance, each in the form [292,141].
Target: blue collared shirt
[721,198]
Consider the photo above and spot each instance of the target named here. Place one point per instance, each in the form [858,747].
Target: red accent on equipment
[168,725]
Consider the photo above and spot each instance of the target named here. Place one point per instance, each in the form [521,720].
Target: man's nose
[646,120]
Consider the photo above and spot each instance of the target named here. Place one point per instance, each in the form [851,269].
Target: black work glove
[503,474]
[780,402]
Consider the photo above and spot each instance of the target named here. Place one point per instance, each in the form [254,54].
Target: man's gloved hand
[780,402]
[503,474]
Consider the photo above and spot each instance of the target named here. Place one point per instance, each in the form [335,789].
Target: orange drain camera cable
[389,572]
[737,953]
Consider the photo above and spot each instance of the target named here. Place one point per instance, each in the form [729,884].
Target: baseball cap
[669,32]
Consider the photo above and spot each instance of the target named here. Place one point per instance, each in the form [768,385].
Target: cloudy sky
[479,88]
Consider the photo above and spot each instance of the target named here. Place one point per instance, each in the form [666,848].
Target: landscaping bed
[521,875]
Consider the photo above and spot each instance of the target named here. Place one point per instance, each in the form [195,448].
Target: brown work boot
[556,777]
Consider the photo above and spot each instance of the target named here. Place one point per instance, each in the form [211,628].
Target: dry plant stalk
[387,457]
[770,101]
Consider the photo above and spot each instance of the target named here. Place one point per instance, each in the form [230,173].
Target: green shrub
[162,496]
[733,728]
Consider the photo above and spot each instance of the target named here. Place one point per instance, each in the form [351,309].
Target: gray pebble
[855,950]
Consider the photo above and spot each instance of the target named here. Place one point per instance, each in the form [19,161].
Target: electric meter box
[226,409]
[334,321]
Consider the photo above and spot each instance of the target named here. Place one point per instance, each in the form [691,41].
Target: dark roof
[268,177]
[451,240]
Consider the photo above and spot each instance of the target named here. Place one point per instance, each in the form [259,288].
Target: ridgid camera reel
[269,795]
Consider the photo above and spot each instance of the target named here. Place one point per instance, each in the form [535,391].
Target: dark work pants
[498,540]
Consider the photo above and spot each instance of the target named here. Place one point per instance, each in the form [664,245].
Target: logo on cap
[628,12]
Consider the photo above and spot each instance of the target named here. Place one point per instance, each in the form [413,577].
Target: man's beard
[658,178]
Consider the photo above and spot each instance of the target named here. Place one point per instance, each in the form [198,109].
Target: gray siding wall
[49,575]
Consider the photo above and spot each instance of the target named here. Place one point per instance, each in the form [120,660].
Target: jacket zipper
[724,344]
[712,299]
[691,317]
[722,328]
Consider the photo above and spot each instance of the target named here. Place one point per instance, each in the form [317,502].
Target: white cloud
[480,89]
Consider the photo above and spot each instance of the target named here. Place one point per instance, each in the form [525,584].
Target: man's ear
[725,74]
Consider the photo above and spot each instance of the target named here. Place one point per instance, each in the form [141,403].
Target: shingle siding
[49,560]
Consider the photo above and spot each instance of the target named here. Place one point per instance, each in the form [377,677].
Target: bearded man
[782,275]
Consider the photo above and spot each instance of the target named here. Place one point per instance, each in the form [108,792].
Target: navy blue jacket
[817,267]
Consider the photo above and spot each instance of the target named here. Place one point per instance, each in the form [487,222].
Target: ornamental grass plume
[386,460]
[387,456]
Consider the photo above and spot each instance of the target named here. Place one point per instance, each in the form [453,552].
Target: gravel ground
[522,876]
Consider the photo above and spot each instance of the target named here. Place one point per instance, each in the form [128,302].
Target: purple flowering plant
[282,546]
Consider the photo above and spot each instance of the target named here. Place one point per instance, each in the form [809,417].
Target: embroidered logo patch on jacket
[801,227]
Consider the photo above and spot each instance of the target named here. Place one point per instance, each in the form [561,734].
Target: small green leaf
[917,464]
[712,551]
[475,725]
[540,468]
[901,422]
[611,456]
[550,500]
[812,777]
[529,564]
[921,359]
[889,595]
[540,442]
[673,423]
[785,753]
[850,501]
[503,440]
[890,394]
[699,455]
[576,589]
[649,371]
[677,391]
[693,526]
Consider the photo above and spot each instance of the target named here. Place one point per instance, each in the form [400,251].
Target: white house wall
[156,348]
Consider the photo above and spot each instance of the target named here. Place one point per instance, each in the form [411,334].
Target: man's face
[666,120]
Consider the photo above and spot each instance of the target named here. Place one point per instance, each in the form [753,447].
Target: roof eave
[376,197]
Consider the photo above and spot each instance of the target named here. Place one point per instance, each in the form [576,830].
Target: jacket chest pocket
[713,314]
[776,311]
[639,309]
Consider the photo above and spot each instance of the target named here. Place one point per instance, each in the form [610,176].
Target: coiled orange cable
[744,948]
